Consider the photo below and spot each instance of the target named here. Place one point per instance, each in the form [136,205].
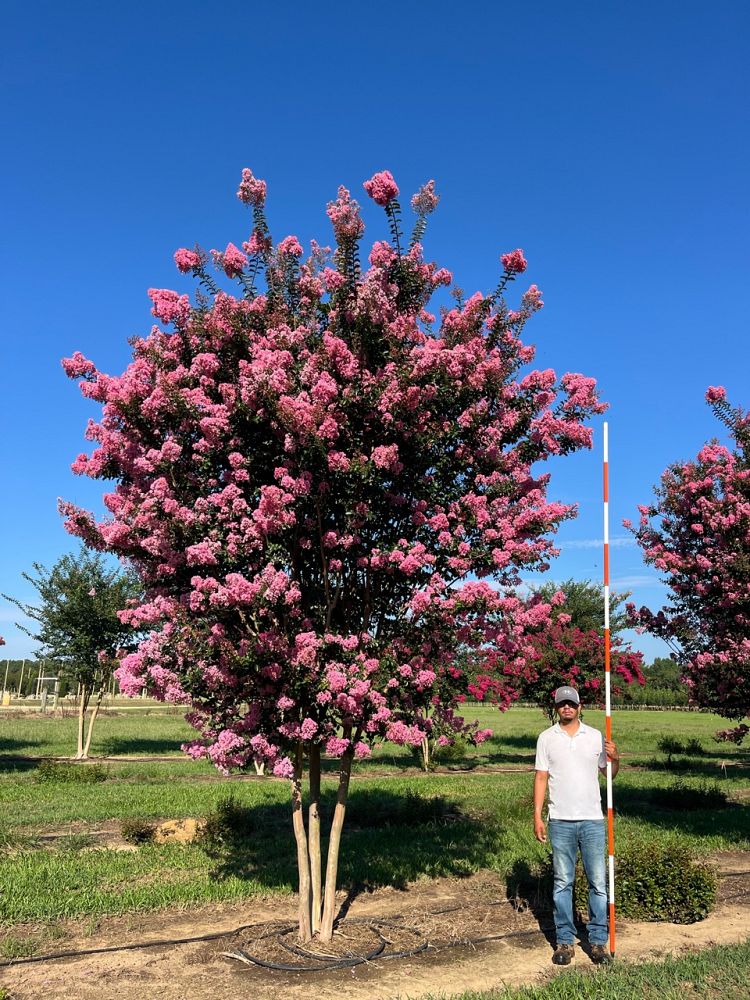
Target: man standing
[569,757]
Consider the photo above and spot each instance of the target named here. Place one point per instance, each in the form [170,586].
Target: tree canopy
[696,532]
[317,479]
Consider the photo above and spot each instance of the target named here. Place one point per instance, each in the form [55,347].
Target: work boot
[563,954]
[600,954]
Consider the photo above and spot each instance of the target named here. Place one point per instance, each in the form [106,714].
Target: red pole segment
[608,700]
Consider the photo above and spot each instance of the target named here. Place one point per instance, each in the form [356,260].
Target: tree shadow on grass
[711,768]
[115,746]
[519,742]
[11,757]
[388,840]
[657,808]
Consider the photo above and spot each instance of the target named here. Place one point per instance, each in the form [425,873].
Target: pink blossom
[386,457]
[336,746]
[382,254]
[252,190]
[290,247]
[514,262]
[308,729]
[442,277]
[425,200]
[256,245]
[186,260]
[531,300]
[716,393]
[344,214]
[233,261]
[78,366]
[283,768]
[382,188]
[169,307]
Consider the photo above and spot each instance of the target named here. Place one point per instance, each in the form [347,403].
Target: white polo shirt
[573,764]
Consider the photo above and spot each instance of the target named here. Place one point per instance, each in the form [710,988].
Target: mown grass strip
[719,973]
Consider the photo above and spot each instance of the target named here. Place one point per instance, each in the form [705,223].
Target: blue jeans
[566,837]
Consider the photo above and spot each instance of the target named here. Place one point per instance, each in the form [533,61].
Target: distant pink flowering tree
[565,654]
[697,533]
[316,479]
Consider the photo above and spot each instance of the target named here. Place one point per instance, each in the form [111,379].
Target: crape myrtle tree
[316,481]
[77,624]
[697,534]
[569,649]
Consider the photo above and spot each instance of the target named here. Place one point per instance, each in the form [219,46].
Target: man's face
[567,711]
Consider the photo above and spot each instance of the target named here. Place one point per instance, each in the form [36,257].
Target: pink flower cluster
[252,190]
[344,215]
[232,261]
[514,262]
[425,201]
[382,188]
[187,260]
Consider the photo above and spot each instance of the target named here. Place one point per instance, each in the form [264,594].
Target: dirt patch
[176,955]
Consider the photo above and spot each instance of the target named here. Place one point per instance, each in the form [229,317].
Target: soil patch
[470,935]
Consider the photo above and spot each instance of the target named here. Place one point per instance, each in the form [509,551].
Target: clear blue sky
[609,140]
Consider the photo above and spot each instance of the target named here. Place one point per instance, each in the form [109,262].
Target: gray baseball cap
[566,694]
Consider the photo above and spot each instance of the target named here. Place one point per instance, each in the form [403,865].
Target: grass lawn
[720,973]
[399,828]
[160,731]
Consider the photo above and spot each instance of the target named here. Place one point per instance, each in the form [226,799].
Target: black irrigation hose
[56,956]
[331,962]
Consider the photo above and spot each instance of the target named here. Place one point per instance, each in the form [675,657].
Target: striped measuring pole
[608,700]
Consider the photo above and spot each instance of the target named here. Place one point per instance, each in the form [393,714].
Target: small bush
[135,830]
[227,824]
[456,750]
[670,746]
[438,755]
[64,772]
[663,882]
[652,882]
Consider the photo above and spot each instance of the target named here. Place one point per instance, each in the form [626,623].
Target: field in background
[460,819]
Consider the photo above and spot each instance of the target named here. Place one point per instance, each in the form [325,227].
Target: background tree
[569,649]
[665,673]
[584,604]
[315,485]
[697,533]
[78,627]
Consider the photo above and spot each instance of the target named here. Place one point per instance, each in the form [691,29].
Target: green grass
[719,973]
[138,733]
[474,820]
[160,732]
[480,821]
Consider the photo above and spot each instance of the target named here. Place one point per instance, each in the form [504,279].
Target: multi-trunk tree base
[317,900]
